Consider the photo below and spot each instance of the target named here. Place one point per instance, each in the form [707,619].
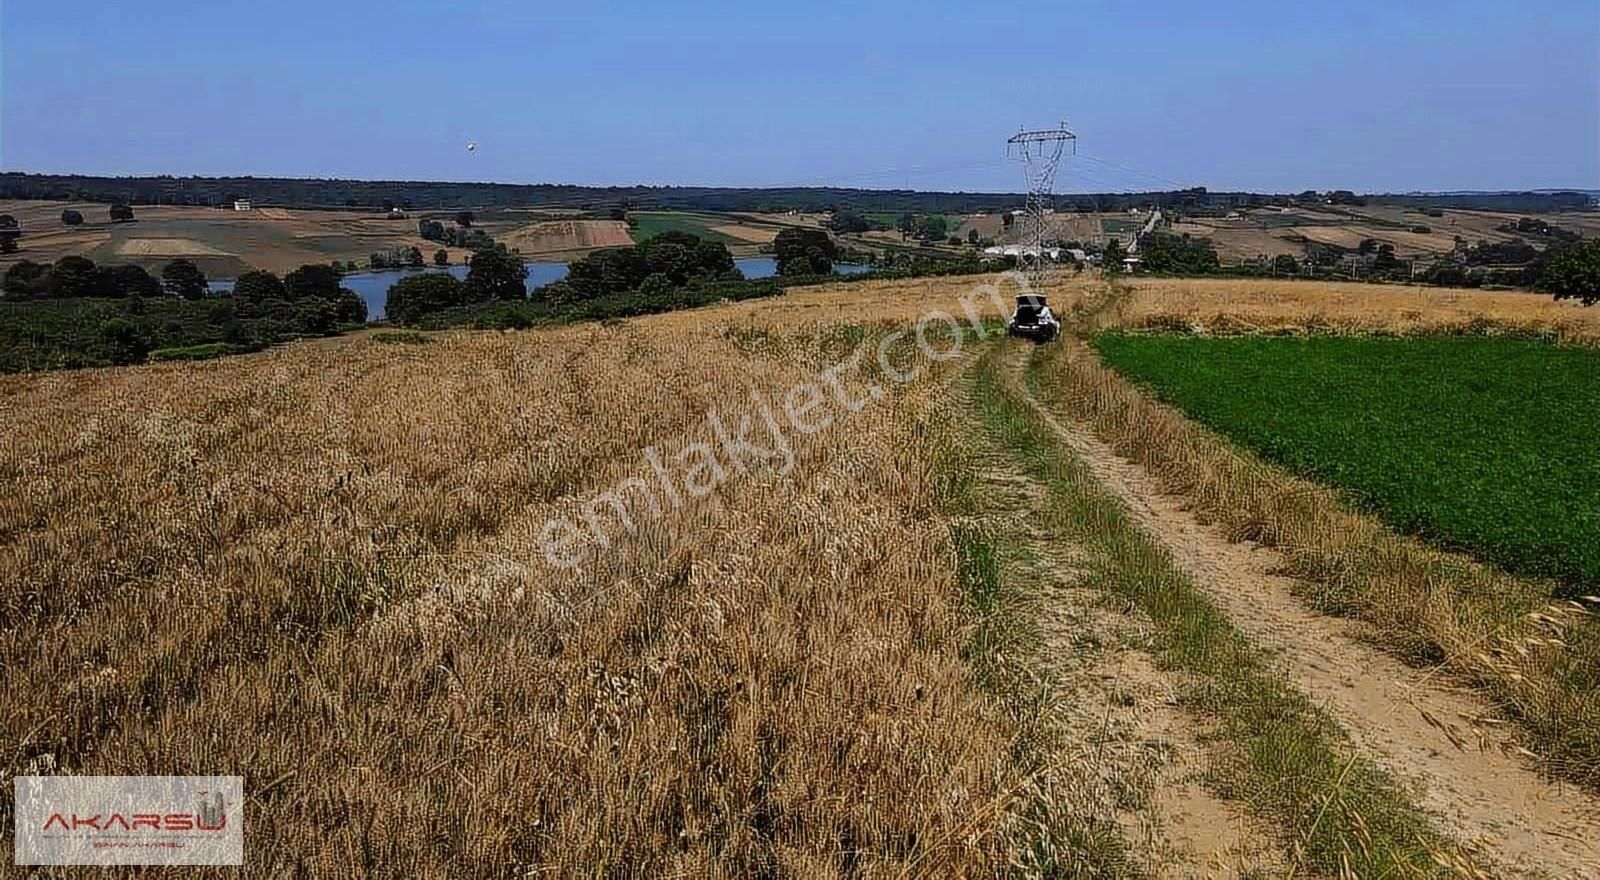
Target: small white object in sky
[472,146]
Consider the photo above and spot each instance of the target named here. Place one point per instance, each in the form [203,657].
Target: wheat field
[321,567]
[327,567]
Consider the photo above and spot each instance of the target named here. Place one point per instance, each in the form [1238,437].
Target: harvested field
[758,234]
[566,236]
[1215,305]
[166,247]
[1238,241]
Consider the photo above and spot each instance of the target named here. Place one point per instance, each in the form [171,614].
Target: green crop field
[656,222]
[1486,445]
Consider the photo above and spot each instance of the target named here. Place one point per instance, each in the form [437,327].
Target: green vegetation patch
[651,223]
[203,352]
[1484,445]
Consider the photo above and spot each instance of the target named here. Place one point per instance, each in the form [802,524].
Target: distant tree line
[74,313]
[654,270]
[385,194]
[461,235]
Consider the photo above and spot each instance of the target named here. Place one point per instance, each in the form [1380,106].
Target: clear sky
[1279,96]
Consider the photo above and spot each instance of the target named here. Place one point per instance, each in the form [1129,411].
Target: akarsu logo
[129,820]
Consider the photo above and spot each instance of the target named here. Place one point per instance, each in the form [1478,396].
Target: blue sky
[1265,96]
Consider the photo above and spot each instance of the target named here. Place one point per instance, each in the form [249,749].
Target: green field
[1489,446]
[650,223]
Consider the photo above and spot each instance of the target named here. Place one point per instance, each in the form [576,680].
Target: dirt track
[1412,723]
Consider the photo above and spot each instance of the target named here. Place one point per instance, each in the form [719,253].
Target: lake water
[373,287]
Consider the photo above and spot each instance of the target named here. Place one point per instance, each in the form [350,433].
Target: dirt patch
[167,247]
[1430,735]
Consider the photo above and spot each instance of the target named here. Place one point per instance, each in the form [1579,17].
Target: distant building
[241,204]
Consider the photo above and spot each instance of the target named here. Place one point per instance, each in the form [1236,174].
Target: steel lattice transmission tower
[1040,152]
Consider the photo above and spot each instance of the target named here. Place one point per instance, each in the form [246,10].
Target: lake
[373,287]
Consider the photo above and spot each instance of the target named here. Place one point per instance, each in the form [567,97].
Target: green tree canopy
[313,280]
[802,251]
[10,231]
[69,217]
[441,257]
[183,278]
[1572,271]
[1111,260]
[413,297]
[494,274]
[259,286]
[126,281]
[73,277]
[120,213]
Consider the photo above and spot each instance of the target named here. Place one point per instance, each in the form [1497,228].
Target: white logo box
[129,820]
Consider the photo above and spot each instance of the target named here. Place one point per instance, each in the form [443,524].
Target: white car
[1032,318]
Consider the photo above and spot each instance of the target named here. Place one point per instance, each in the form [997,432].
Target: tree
[312,281]
[932,227]
[26,280]
[414,258]
[73,277]
[802,251]
[123,342]
[120,213]
[494,274]
[1572,271]
[1111,260]
[464,218]
[183,278]
[848,221]
[258,286]
[413,297]
[972,237]
[10,231]
[121,282]
[907,224]
[656,287]
[70,217]
[441,257]
[1285,264]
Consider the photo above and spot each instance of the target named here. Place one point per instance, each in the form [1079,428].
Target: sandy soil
[1412,723]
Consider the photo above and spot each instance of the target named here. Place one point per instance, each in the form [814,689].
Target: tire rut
[1140,754]
[1409,721]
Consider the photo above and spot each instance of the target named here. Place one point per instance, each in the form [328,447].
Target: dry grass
[1285,306]
[319,567]
[1534,657]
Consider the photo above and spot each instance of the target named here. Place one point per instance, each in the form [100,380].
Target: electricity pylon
[1040,152]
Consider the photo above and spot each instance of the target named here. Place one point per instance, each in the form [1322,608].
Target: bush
[202,352]
[69,217]
[413,298]
[123,341]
